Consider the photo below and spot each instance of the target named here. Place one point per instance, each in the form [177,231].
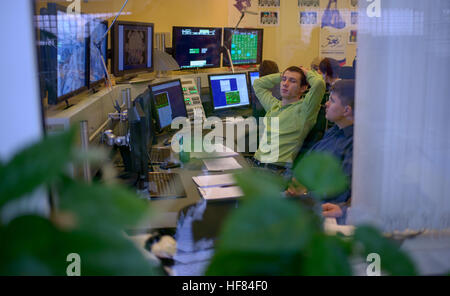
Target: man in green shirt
[296,116]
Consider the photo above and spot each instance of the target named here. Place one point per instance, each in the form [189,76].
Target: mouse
[169,165]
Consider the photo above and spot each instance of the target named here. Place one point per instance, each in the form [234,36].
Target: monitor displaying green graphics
[162,100]
[232,97]
[168,102]
[229,90]
[245,46]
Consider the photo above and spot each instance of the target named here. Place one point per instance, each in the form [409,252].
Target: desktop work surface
[167,210]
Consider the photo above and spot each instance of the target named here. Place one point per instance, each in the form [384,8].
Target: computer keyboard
[165,185]
[159,155]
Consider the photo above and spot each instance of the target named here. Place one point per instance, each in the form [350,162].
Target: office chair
[347,72]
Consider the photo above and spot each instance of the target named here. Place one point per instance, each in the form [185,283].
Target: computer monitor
[132,47]
[253,75]
[195,47]
[229,90]
[64,47]
[168,102]
[97,30]
[245,46]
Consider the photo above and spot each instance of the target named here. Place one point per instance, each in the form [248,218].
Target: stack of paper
[221,192]
[221,164]
[217,186]
[219,151]
[214,180]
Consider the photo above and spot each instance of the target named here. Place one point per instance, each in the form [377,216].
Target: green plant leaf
[36,247]
[102,207]
[322,174]
[393,260]
[255,182]
[35,166]
[327,255]
[263,237]
[241,263]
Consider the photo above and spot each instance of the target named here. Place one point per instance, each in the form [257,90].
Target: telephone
[192,98]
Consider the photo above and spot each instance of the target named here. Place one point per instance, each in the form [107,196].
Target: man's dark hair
[330,67]
[303,80]
[345,89]
[268,67]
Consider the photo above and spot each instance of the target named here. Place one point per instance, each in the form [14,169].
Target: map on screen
[71,53]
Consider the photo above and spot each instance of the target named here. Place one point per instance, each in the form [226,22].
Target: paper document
[331,227]
[221,164]
[219,151]
[214,180]
[221,192]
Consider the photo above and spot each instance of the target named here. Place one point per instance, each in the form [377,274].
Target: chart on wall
[333,31]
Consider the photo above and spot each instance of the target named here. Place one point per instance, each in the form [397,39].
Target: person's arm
[330,210]
[311,103]
[313,98]
[263,90]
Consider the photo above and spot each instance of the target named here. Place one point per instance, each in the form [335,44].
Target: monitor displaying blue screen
[71,53]
[229,90]
[195,47]
[253,76]
[97,30]
[168,101]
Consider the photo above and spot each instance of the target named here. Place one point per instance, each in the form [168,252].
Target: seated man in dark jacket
[338,140]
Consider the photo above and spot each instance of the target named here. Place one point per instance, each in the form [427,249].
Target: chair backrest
[317,132]
[347,72]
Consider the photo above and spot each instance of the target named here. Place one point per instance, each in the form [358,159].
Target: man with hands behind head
[296,115]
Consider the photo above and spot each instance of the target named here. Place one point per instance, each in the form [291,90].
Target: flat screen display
[71,53]
[97,30]
[168,101]
[229,90]
[132,47]
[253,76]
[195,47]
[245,46]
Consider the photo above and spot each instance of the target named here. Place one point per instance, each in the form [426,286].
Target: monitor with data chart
[245,46]
[168,102]
[229,90]
[195,47]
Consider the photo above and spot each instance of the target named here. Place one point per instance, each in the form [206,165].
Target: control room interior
[400,62]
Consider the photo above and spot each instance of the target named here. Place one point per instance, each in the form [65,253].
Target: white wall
[20,119]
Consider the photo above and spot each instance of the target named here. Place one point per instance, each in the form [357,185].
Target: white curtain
[401,169]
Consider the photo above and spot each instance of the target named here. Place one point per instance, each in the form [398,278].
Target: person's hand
[305,70]
[295,188]
[330,210]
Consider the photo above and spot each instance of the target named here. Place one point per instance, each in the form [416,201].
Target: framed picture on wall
[269,3]
[352,37]
[354,17]
[308,3]
[308,18]
[269,18]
